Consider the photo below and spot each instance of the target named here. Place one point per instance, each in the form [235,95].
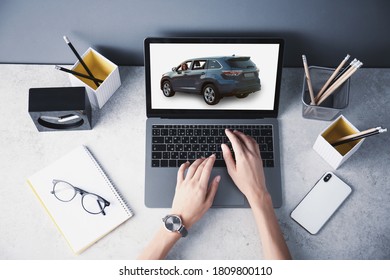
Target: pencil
[67,41]
[342,72]
[334,86]
[331,78]
[340,81]
[309,85]
[359,135]
[78,74]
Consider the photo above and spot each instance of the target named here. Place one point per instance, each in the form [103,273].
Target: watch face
[173,223]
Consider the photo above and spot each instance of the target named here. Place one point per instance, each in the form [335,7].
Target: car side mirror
[174,69]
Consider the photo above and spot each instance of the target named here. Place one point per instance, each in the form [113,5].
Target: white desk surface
[359,230]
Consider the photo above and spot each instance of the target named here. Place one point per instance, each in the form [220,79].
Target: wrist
[174,223]
[170,235]
[259,198]
[186,220]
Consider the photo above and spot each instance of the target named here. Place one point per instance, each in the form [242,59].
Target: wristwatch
[173,223]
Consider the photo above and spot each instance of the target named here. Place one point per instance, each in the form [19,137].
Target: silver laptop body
[239,64]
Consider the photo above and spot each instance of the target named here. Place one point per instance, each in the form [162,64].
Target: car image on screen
[213,78]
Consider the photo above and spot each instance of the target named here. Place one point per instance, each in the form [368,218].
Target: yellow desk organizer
[336,156]
[102,69]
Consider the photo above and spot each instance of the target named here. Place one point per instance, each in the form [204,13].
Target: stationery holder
[60,109]
[102,69]
[335,156]
[333,105]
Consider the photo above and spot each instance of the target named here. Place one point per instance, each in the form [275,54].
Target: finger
[205,175]
[213,190]
[236,142]
[228,157]
[193,167]
[248,141]
[181,171]
[199,170]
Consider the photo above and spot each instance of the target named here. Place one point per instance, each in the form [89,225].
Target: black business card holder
[60,109]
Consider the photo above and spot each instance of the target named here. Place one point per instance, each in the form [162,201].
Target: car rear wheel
[243,95]
[167,89]
[210,94]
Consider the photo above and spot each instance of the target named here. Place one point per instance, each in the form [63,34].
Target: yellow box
[336,156]
[102,69]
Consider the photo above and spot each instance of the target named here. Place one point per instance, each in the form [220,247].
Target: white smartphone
[316,208]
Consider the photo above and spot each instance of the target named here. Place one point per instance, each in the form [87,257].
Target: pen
[308,80]
[79,58]
[67,118]
[331,78]
[78,74]
[359,135]
[61,119]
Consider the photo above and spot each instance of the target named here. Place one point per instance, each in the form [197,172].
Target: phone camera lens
[327,177]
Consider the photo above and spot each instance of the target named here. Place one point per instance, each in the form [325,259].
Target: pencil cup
[102,69]
[337,155]
[333,105]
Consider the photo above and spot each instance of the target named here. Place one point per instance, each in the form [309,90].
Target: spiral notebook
[79,169]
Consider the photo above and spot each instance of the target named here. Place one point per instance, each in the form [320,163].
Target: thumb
[213,189]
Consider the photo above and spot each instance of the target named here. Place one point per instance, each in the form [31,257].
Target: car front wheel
[167,89]
[210,95]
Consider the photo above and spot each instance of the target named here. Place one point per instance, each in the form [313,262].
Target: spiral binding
[114,190]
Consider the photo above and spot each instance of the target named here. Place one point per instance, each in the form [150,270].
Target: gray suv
[213,77]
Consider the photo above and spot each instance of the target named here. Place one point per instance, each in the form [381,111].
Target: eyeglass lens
[64,191]
[91,203]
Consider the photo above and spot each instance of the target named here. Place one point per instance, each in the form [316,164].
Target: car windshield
[241,62]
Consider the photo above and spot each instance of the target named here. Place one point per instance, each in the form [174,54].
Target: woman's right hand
[247,170]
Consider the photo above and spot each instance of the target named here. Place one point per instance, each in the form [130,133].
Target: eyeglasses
[92,203]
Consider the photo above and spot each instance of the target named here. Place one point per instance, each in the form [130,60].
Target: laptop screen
[213,77]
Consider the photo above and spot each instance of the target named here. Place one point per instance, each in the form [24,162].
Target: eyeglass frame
[82,193]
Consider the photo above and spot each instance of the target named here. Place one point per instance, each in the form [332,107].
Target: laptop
[195,89]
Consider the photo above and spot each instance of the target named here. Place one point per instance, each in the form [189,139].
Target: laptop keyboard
[173,145]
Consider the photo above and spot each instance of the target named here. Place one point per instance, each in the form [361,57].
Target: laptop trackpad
[228,194]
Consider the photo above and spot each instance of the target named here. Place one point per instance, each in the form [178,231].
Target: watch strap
[183,231]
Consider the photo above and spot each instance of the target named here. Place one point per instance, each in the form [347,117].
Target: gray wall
[31,30]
